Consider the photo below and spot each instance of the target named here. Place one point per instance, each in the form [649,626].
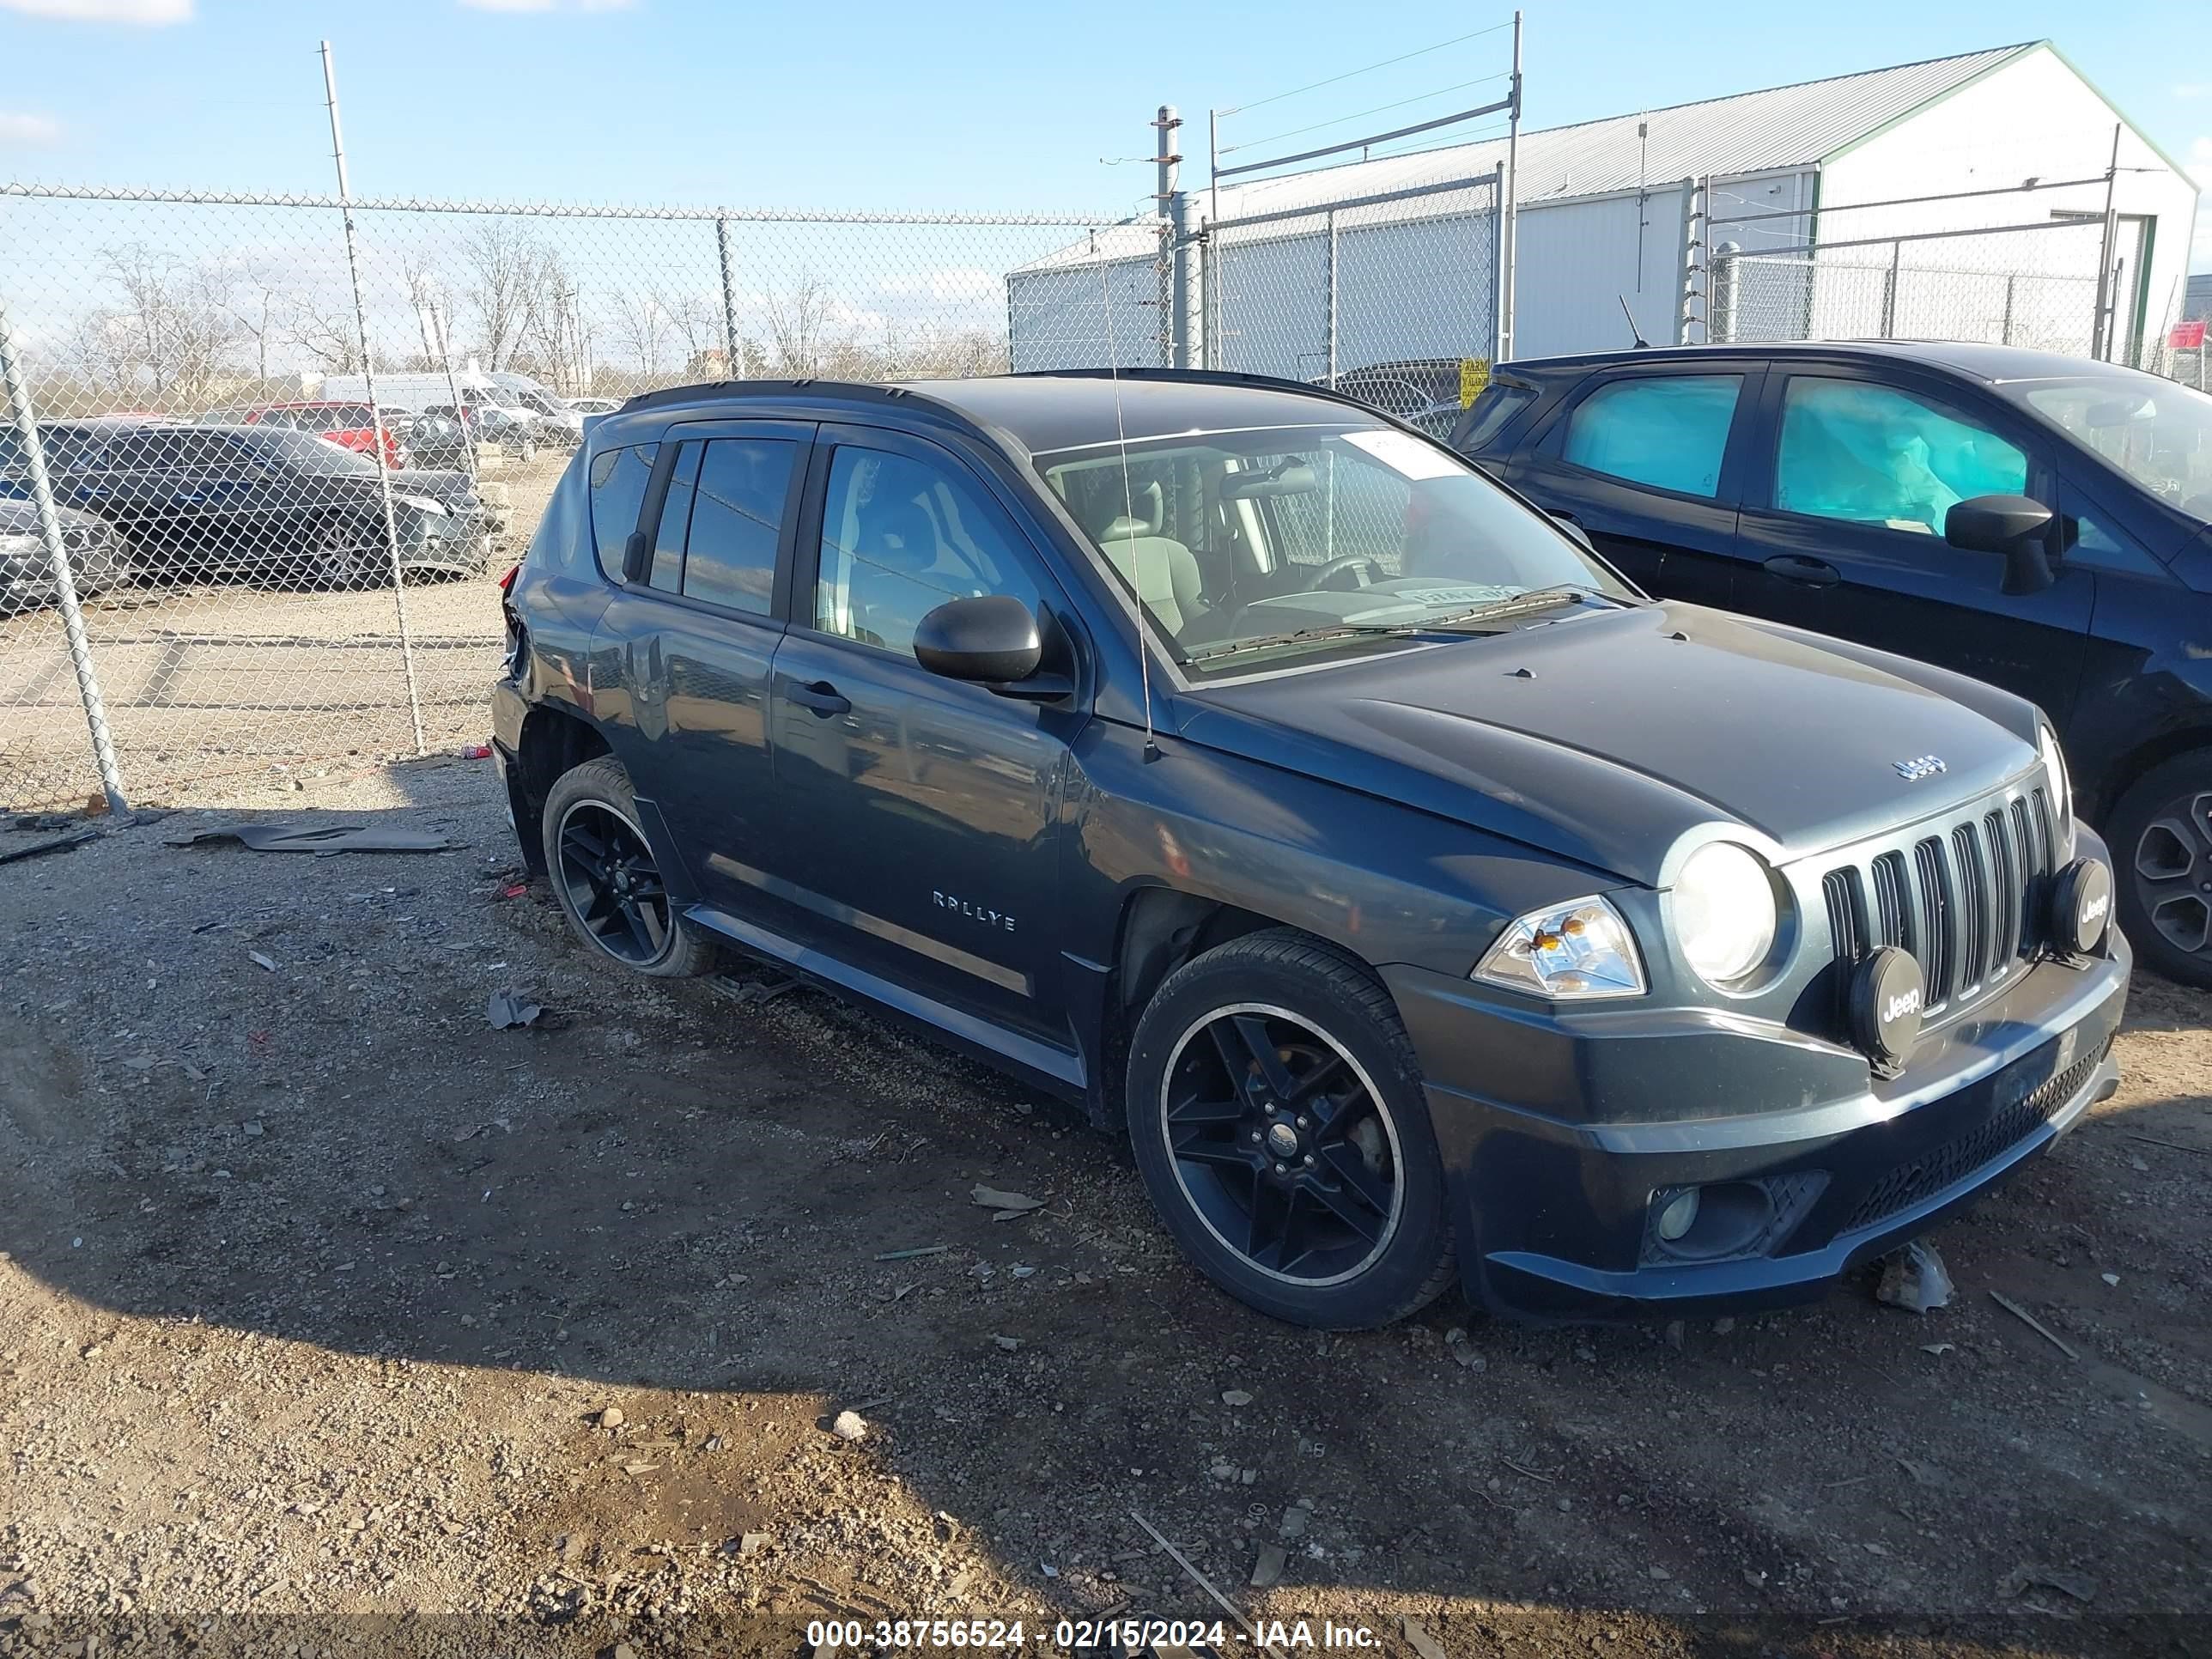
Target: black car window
[1497,403]
[1874,454]
[900,536]
[2092,539]
[667,571]
[737,520]
[618,480]
[1669,431]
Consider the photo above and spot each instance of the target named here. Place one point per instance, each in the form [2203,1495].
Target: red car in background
[350,426]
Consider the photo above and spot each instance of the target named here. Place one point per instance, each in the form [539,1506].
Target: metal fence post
[375,411]
[1167,266]
[1696,269]
[18,389]
[1720,294]
[1191,340]
[1889,291]
[1329,219]
[735,367]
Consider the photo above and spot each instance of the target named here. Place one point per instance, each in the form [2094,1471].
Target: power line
[1422,51]
[1334,121]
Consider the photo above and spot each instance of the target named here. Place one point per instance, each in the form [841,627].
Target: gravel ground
[332,1319]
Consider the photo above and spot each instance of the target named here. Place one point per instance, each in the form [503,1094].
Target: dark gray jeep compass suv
[1240,763]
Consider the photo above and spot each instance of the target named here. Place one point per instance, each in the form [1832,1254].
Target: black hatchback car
[1233,759]
[1812,485]
[259,503]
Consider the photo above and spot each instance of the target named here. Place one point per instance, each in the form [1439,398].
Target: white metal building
[1811,186]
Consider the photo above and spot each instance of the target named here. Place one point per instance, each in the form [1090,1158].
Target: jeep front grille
[1961,899]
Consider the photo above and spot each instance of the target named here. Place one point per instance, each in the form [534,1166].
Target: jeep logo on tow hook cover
[1887,993]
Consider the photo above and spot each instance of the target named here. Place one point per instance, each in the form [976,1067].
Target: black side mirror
[991,638]
[2011,524]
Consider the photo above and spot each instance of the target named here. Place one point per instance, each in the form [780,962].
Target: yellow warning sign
[1473,375]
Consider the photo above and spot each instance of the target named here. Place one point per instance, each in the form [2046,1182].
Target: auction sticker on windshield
[1406,456]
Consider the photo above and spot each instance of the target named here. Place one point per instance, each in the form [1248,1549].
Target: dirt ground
[334,1320]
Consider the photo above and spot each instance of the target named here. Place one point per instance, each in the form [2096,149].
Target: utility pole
[1508,228]
[1167,198]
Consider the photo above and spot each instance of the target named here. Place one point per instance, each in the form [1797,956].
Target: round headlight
[1724,913]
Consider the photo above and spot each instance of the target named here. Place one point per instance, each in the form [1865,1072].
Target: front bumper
[1552,1136]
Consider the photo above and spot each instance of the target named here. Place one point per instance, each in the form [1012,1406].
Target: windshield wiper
[1541,598]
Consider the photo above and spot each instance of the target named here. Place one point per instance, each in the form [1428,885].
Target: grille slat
[1963,900]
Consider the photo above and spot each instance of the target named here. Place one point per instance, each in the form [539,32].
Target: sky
[892,105]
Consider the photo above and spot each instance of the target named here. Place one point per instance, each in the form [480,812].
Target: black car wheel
[344,554]
[605,878]
[1276,1111]
[2162,840]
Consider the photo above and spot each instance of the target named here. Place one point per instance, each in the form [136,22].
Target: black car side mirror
[2011,524]
[991,638]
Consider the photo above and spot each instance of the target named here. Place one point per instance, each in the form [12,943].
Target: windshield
[304,453]
[2156,431]
[1250,546]
[540,402]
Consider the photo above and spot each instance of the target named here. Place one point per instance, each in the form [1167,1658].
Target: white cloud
[149,13]
[25,131]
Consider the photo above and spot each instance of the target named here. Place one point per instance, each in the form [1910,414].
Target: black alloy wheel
[1281,1144]
[2161,841]
[611,884]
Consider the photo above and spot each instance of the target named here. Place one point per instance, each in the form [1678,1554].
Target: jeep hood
[1604,736]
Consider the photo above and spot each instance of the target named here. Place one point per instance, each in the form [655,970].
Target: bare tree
[165,343]
[798,320]
[260,309]
[325,331]
[506,266]
[640,325]
[696,320]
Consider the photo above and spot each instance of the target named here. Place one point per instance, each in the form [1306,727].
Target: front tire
[343,555]
[606,881]
[2161,834]
[1277,1118]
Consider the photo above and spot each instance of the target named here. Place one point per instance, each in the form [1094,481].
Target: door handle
[1806,573]
[823,698]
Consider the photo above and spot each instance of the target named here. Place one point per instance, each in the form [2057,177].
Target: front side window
[2157,433]
[1669,431]
[1873,454]
[618,480]
[900,536]
[737,520]
[1250,545]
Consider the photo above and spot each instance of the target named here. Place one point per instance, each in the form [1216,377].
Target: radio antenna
[1129,508]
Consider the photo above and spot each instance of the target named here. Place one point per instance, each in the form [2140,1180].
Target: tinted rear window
[618,481]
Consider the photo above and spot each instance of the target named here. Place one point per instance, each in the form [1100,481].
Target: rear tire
[2161,834]
[1277,1115]
[343,554]
[606,880]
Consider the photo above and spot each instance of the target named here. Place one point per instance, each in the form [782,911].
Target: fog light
[1886,998]
[2081,906]
[1679,1215]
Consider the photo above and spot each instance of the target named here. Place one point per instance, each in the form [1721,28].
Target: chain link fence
[1382,296]
[287,471]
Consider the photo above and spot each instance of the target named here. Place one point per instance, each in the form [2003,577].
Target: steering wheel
[1373,572]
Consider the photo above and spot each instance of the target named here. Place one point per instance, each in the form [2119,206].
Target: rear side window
[667,573]
[1668,432]
[618,481]
[1499,404]
[1873,454]
[737,520]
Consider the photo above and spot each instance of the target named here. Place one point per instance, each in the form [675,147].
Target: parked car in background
[437,439]
[595,405]
[564,425]
[511,431]
[262,503]
[99,560]
[1230,757]
[2039,522]
[349,425]
[1422,392]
